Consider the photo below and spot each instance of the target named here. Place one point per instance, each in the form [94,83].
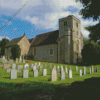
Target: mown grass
[20,85]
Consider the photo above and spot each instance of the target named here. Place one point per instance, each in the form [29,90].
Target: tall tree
[91,10]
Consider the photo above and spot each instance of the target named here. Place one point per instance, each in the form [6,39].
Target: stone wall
[43,53]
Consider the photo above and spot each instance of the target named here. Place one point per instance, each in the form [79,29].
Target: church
[59,46]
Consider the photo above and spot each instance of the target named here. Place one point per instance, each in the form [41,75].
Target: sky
[34,17]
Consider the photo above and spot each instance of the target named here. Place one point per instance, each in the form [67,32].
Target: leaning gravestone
[62,75]
[13,66]
[35,73]
[53,75]
[66,70]
[76,68]
[8,70]
[5,66]
[84,70]
[70,74]
[44,72]
[13,74]
[90,70]
[80,72]
[25,73]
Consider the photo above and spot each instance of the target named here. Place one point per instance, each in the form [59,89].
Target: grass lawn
[21,86]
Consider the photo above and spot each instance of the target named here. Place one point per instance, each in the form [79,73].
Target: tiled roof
[46,38]
[30,40]
[13,41]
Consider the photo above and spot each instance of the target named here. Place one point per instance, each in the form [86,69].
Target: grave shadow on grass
[89,89]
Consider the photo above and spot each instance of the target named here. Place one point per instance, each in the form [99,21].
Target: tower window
[76,24]
[65,23]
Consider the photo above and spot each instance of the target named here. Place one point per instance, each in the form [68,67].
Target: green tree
[4,42]
[91,53]
[16,51]
[2,51]
[85,40]
[90,10]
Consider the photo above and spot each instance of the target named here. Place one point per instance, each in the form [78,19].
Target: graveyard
[35,77]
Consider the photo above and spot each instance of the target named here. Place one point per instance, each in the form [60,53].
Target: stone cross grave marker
[44,72]
[66,70]
[62,75]
[70,74]
[90,70]
[53,75]
[13,74]
[80,72]
[13,66]
[84,70]
[25,73]
[76,68]
[35,73]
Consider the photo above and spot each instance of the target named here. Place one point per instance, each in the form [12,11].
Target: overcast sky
[37,16]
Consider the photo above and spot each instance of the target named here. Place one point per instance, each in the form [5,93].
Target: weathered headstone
[58,71]
[62,75]
[57,67]
[35,73]
[16,60]
[3,57]
[19,67]
[5,66]
[39,63]
[62,68]
[76,68]
[25,73]
[11,61]
[44,72]
[13,74]
[84,70]
[70,74]
[53,75]
[80,72]
[66,70]
[13,66]
[8,70]
[34,68]
[4,61]
[49,64]
[40,68]
[90,70]
[26,65]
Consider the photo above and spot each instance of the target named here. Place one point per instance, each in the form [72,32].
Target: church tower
[70,41]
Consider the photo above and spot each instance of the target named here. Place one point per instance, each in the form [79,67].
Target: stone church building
[62,46]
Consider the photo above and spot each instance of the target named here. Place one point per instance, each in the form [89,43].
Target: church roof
[30,40]
[13,41]
[46,38]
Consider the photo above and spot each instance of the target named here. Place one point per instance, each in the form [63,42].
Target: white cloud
[1,37]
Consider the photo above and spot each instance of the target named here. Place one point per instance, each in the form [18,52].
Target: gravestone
[40,68]
[39,63]
[44,72]
[76,68]
[13,66]
[32,65]
[45,65]
[34,68]
[62,75]
[4,61]
[5,66]
[23,61]
[84,70]
[3,57]
[54,66]
[19,67]
[13,74]
[35,73]
[57,67]
[20,59]
[26,65]
[90,70]
[11,61]
[53,75]
[80,72]
[66,70]
[62,69]
[70,74]
[16,60]
[58,71]
[25,73]
[8,70]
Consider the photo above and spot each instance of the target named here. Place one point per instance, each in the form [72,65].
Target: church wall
[43,53]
